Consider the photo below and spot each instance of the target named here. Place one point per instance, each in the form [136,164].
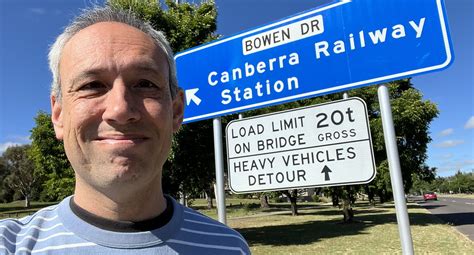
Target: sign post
[219,161]
[395,170]
[343,45]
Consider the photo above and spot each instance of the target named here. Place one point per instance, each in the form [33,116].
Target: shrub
[315,198]
[251,206]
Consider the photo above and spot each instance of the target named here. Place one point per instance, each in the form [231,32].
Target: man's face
[116,115]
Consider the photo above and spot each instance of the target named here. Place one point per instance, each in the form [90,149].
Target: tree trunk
[371,199]
[264,201]
[381,195]
[370,195]
[293,195]
[27,202]
[209,199]
[294,207]
[182,195]
[347,210]
[182,198]
[335,199]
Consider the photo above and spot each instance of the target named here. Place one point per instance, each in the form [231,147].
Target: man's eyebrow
[143,67]
[86,74]
[148,67]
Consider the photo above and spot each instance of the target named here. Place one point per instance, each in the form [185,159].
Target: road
[458,212]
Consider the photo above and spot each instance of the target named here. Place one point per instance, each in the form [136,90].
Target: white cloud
[469,123]
[19,139]
[446,156]
[39,11]
[4,146]
[453,166]
[446,132]
[14,140]
[449,143]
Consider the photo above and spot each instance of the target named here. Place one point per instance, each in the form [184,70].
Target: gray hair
[107,14]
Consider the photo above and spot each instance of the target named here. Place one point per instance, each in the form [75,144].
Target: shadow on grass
[254,206]
[409,206]
[431,206]
[313,231]
[457,219]
[338,212]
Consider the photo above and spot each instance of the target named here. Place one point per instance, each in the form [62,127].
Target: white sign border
[374,170]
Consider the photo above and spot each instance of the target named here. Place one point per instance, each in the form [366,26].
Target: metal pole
[345,95]
[395,170]
[241,116]
[219,159]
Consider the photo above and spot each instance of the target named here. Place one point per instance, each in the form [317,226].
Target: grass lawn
[17,209]
[470,196]
[318,228]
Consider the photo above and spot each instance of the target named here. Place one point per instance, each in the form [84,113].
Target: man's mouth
[121,138]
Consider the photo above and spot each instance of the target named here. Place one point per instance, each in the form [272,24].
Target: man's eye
[146,84]
[94,85]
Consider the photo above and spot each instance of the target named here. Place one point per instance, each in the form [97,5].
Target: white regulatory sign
[322,145]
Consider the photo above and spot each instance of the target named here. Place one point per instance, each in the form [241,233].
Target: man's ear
[178,110]
[57,117]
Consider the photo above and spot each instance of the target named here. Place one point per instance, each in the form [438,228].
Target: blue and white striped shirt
[57,230]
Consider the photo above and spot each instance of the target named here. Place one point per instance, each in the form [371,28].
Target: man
[116,104]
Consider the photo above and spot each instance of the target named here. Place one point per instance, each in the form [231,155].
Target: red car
[430,196]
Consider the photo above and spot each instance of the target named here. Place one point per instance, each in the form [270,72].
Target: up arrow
[191,96]
[326,172]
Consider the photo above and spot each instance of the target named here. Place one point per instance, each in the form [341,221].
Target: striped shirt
[57,230]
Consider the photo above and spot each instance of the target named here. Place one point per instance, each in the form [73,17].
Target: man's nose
[120,105]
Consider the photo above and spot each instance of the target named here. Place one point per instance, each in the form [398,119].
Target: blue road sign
[342,45]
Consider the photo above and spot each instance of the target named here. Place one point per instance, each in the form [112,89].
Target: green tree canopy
[50,160]
[20,172]
[411,115]
[6,193]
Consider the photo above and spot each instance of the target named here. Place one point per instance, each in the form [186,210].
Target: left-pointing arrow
[191,96]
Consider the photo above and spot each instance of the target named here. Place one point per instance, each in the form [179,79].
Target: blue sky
[28,27]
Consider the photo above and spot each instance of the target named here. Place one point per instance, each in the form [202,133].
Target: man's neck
[114,205]
[124,226]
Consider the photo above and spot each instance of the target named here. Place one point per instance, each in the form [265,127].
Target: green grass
[318,228]
[245,207]
[470,196]
[17,209]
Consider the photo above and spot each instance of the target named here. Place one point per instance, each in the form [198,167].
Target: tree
[293,196]
[412,117]
[191,163]
[190,167]
[423,180]
[50,160]
[462,182]
[6,193]
[264,200]
[21,175]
